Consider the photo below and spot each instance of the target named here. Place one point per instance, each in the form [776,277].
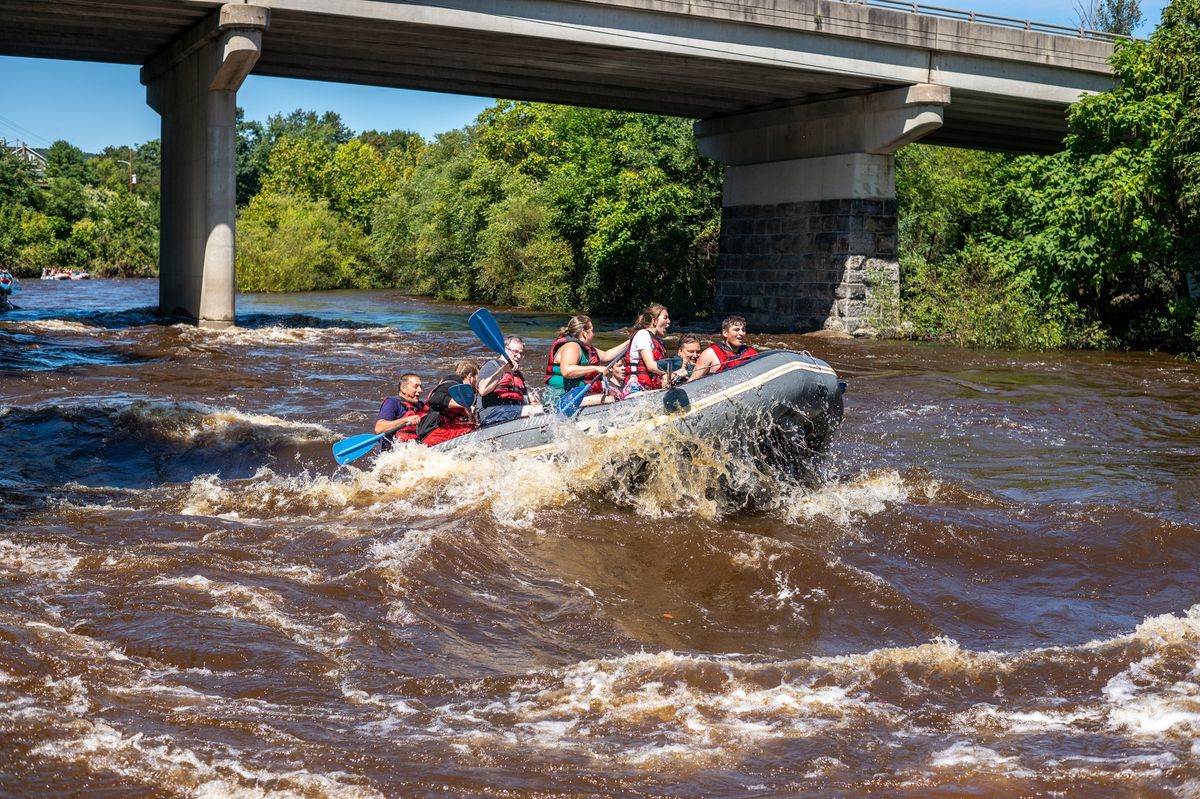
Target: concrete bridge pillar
[193,84]
[808,226]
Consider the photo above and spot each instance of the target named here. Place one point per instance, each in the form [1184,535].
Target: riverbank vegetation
[80,212]
[1091,246]
[561,208]
[538,205]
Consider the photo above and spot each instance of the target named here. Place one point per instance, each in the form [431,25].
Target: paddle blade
[486,328]
[569,403]
[463,394]
[353,448]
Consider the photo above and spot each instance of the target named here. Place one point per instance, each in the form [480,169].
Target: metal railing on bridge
[989,19]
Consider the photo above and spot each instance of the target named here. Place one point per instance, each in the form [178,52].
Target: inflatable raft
[793,390]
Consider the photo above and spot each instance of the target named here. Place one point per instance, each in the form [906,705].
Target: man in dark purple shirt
[398,416]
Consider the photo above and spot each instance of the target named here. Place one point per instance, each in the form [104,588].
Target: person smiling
[399,415]
[731,351]
[647,348]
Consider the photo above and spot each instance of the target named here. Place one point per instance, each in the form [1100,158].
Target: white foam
[647,696]
[42,560]
[211,776]
[973,756]
[191,422]
[58,326]
[866,495]
[328,338]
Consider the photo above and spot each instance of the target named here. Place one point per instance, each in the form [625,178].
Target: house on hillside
[32,156]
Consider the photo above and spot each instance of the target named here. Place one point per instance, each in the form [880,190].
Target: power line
[25,132]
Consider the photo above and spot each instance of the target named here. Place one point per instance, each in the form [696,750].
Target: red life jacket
[728,358]
[451,417]
[646,379]
[408,432]
[510,390]
[589,352]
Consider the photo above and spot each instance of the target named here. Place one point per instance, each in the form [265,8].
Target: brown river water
[987,588]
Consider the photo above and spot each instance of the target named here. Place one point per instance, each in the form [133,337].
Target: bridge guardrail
[981,18]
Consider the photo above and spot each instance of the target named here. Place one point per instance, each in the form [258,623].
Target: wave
[664,475]
[146,443]
[960,709]
[23,351]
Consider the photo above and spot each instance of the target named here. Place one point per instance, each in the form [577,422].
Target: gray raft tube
[795,389]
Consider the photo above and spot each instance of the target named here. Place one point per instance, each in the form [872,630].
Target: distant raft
[792,389]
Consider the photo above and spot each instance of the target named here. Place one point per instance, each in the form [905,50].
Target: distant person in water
[573,359]
[647,349]
[399,415]
[445,418]
[503,392]
[732,350]
[7,284]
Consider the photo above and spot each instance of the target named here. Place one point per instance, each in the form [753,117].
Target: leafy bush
[289,243]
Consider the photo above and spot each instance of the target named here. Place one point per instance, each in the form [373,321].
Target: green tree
[27,240]
[65,160]
[385,143]
[253,153]
[326,129]
[301,167]
[80,249]
[359,178]
[127,240]
[18,183]
[629,192]
[291,243]
[67,199]
[522,258]
[557,207]
[1112,224]
[1111,16]
[939,194]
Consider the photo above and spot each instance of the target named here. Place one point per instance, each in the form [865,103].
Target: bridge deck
[697,59]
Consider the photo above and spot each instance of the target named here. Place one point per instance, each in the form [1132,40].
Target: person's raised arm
[488,382]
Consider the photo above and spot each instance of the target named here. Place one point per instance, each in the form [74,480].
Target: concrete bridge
[805,101]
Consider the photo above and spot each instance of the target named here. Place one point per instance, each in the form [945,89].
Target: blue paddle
[488,331]
[353,448]
[463,394]
[569,403]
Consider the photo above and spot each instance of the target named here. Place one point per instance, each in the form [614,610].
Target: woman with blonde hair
[574,359]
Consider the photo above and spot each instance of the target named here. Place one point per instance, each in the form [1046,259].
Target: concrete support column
[193,84]
[808,225]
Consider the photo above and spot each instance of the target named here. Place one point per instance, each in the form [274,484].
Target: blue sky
[94,105]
